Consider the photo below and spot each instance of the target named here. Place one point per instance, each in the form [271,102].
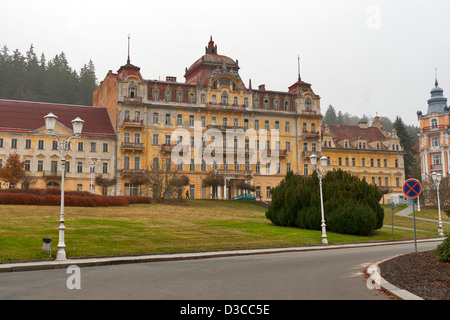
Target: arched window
[235,101]
[434,123]
[168,96]
[132,90]
[224,98]
[180,96]
[126,116]
[155,95]
[179,119]
[286,105]
[213,99]
[236,122]
[308,104]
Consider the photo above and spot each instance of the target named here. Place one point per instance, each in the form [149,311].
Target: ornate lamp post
[320,171]
[63,146]
[437,180]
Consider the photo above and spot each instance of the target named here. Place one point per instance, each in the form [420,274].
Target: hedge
[19,198]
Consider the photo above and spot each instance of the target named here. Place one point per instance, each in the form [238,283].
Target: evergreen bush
[443,250]
[351,205]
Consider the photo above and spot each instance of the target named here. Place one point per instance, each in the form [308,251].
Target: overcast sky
[362,57]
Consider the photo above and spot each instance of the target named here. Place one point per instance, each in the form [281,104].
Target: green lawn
[149,228]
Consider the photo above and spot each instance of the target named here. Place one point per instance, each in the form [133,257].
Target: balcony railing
[436,128]
[132,146]
[133,123]
[436,167]
[126,172]
[310,134]
[235,173]
[132,99]
[52,173]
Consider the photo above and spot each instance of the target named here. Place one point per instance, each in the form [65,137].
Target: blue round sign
[412,188]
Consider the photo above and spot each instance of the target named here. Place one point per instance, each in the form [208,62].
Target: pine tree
[330,116]
[407,144]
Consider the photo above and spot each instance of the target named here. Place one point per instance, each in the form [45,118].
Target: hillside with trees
[31,78]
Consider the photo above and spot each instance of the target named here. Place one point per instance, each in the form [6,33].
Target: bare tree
[213,180]
[163,181]
[105,183]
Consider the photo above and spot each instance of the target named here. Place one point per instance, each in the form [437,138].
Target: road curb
[114,260]
[394,290]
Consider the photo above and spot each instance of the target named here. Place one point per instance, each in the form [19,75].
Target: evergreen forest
[30,77]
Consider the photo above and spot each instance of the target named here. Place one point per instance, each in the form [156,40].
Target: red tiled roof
[355,132]
[28,116]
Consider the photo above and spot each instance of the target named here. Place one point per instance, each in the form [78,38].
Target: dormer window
[132,90]
[308,104]
[286,105]
[155,95]
[168,96]
[434,123]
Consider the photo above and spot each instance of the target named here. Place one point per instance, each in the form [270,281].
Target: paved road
[319,274]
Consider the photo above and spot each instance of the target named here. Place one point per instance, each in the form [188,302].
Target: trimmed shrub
[351,205]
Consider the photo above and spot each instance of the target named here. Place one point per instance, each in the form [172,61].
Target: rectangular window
[80,167]
[13,143]
[40,166]
[268,194]
[305,169]
[137,138]
[155,139]
[354,162]
[105,167]
[258,192]
[80,146]
[79,187]
[105,147]
[287,126]
[155,163]
[288,146]
[1,142]
[191,121]
[155,118]
[27,165]
[192,165]
[192,191]
[137,163]
[363,162]
[40,144]
[28,144]
[93,146]
[288,167]
[126,162]
[256,124]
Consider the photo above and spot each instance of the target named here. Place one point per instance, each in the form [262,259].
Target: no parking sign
[412,188]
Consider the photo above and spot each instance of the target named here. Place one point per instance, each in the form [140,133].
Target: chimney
[262,87]
[171,79]
[363,124]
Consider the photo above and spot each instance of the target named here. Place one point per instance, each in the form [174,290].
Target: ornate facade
[151,117]
[434,137]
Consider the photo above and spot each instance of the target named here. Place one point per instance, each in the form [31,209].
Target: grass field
[148,228]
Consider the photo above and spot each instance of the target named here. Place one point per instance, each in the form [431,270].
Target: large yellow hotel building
[151,117]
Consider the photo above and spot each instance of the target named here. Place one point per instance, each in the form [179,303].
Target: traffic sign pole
[412,189]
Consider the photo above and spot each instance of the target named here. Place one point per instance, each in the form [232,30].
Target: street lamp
[437,180]
[92,168]
[63,146]
[320,171]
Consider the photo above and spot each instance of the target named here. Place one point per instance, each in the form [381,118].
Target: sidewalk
[407,212]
